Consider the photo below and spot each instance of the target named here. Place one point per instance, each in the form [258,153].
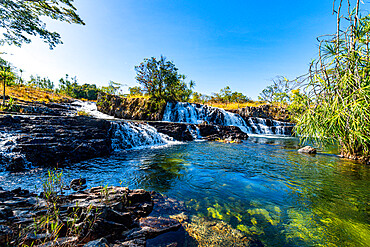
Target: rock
[78,184]
[217,233]
[178,131]
[97,243]
[130,108]
[154,226]
[16,164]
[183,132]
[5,212]
[132,243]
[51,141]
[307,150]
[5,235]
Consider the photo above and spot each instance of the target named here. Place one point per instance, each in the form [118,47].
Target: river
[262,187]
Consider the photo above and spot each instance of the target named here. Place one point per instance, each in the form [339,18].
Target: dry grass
[26,93]
[135,96]
[234,106]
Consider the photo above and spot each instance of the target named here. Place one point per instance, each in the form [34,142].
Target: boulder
[307,150]
[97,243]
[78,184]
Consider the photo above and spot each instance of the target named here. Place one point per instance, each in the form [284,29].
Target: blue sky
[243,44]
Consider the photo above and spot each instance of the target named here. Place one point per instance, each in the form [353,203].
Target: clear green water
[262,187]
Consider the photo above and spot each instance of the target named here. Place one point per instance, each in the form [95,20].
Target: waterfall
[182,112]
[132,135]
[8,142]
[89,108]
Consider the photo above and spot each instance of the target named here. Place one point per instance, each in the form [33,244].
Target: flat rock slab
[51,141]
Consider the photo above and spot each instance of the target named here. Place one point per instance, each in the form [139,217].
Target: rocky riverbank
[112,215]
[107,216]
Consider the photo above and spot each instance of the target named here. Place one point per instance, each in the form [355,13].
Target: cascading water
[89,108]
[182,112]
[132,135]
[8,141]
[127,135]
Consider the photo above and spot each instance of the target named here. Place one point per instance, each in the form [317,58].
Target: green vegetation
[161,80]
[6,76]
[278,92]
[20,19]
[51,225]
[337,99]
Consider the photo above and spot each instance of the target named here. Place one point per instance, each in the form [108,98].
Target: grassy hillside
[30,94]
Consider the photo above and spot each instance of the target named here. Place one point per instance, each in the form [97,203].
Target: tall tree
[161,80]
[6,76]
[21,19]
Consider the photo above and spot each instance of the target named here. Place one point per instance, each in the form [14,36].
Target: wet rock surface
[52,141]
[190,132]
[214,132]
[178,131]
[107,216]
[49,141]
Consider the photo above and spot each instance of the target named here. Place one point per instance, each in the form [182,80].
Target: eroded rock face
[51,141]
[178,131]
[264,111]
[130,108]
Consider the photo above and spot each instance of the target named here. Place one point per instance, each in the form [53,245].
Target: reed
[337,99]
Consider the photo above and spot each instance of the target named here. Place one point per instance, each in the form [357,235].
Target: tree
[161,80]
[23,18]
[6,75]
[337,106]
[113,88]
[135,91]
[226,94]
[277,92]
[43,83]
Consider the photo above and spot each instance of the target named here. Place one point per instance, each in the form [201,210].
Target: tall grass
[337,103]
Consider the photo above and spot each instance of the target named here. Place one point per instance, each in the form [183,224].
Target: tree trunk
[4,92]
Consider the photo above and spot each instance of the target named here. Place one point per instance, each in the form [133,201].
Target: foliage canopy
[23,18]
[161,80]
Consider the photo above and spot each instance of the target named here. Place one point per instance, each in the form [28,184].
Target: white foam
[90,108]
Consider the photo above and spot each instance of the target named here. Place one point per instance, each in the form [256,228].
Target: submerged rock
[217,233]
[307,150]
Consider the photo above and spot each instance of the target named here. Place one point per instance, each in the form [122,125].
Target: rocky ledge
[51,141]
[264,111]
